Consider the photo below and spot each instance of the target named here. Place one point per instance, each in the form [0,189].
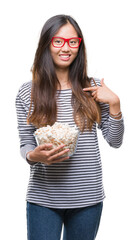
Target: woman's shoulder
[95,81]
[24,92]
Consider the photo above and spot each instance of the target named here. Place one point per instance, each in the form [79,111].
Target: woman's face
[64,56]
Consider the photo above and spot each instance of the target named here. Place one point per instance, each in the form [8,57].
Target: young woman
[62,190]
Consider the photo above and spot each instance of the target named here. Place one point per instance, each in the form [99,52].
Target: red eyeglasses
[59,42]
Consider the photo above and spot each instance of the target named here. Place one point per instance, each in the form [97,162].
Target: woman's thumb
[102,82]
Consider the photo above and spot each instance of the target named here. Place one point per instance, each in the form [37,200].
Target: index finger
[56,149]
[90,89]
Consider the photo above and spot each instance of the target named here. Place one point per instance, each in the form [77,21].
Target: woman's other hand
[45,154]
[105,95]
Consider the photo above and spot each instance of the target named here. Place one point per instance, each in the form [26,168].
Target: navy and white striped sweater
[76,182]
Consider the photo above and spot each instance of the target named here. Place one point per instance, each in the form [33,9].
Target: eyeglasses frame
[67,40]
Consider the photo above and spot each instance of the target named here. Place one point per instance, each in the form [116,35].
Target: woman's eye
[57,41]
[72,42]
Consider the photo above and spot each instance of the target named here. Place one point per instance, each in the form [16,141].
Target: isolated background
[111,30]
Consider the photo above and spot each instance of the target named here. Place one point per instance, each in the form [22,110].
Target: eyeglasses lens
[74,42]
[58,42]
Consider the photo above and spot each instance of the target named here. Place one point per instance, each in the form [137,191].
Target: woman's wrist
[116,116]
[114,108]
[28,156]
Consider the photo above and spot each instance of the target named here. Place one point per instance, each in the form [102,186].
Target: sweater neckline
[64,90]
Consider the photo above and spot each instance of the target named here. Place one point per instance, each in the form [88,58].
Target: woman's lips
[64,57]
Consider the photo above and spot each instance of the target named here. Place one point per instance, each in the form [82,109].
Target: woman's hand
[46,155]
[104,94]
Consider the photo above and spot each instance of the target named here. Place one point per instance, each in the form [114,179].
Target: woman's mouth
[64,57]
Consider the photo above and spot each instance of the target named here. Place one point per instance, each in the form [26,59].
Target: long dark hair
[45,81]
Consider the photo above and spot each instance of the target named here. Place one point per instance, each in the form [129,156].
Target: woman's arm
[27,139]
[112,124]
[28,146]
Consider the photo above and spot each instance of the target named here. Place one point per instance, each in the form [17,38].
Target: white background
[111,29]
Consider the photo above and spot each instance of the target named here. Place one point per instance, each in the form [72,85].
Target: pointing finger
[90,89]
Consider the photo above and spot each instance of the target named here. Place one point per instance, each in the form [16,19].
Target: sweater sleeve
[27,139]
[112,129]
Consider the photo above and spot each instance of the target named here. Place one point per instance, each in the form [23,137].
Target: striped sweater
[76,182]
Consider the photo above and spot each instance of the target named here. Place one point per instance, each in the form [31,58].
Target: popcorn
[57,134]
